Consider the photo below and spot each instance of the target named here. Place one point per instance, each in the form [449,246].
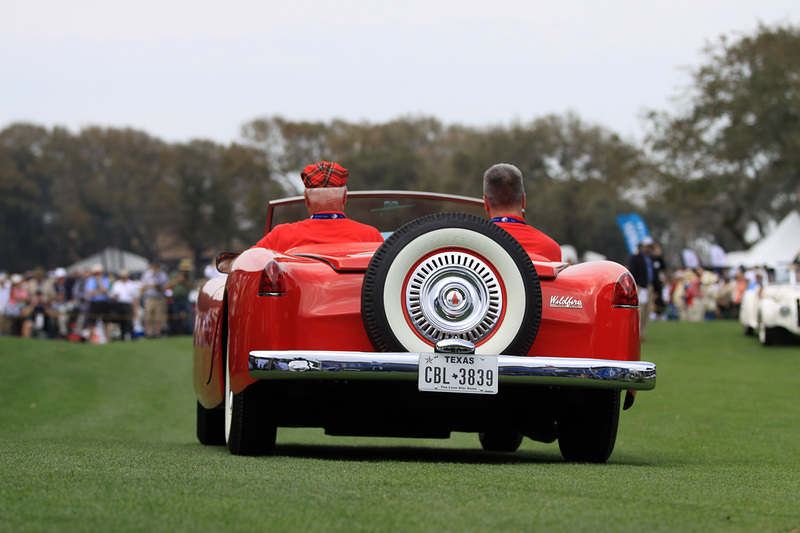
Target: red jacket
[318,231]
[533,240]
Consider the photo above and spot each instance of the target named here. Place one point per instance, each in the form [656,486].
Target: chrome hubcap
[453,295]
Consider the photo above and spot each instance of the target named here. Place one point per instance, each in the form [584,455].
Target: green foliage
[26,206]
[112,188]
[577,176]
[731,154]
[64,197]
[102,438]
[67,196]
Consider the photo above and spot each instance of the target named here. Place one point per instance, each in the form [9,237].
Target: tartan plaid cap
[324,174]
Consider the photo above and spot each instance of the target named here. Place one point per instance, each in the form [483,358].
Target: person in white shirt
[125,293]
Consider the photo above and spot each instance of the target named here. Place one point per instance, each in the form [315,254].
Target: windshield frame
[469,204]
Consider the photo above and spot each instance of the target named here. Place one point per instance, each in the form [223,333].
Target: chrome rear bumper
[557,371]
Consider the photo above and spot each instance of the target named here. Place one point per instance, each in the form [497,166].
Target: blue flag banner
[633,229]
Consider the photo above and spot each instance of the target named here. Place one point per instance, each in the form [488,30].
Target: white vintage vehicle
[774,308]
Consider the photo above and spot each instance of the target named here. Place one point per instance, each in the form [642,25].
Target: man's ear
[524,197]
[486,206]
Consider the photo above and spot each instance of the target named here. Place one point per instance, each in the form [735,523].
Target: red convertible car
[448,325]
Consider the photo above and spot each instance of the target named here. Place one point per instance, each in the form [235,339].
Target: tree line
[728,157]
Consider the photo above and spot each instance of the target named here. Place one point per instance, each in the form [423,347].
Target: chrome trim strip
[558,371]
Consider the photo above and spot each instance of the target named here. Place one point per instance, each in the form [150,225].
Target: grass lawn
[101,438]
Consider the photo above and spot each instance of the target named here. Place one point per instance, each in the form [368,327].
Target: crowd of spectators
[698,294]
[96,306]
[689,294]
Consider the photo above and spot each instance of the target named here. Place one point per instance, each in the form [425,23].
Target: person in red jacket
[504,198]
[325,194]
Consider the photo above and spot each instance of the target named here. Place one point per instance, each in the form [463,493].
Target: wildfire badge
[566,301]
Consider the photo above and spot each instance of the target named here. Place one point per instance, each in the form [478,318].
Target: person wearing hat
[60,283]
[640,265]
[325,194]
[40,284]
[181,284]
[504,200]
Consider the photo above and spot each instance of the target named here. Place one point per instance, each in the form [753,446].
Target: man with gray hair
[504,199]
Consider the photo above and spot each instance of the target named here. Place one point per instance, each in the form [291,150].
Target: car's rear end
[448,326]
[321,366]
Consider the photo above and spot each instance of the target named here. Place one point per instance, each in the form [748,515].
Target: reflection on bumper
[560,371]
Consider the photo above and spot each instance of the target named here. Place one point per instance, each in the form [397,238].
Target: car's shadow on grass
[426,454]
[422,454]
[411,454]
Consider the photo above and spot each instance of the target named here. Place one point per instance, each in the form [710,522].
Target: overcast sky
[182,70]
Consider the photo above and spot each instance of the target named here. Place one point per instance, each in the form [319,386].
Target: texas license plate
[470,374]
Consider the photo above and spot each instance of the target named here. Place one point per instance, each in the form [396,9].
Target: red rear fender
[579,318]
[209,317]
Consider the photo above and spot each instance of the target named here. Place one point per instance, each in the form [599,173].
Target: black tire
[438,252]
[248,426]
[587,426]
[500,441]
[210,426]
[251,432]
[766,336]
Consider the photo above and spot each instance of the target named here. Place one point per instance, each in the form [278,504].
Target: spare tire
[451,275]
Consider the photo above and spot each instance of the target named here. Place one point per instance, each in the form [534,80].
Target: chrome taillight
[272,282]
[625,294]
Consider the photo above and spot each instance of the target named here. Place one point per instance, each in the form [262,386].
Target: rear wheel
[587,426]
[248,426]
[500,441]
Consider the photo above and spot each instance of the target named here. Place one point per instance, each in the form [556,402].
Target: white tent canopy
[570,254]
[589,255]
[782,245]
[112,260]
